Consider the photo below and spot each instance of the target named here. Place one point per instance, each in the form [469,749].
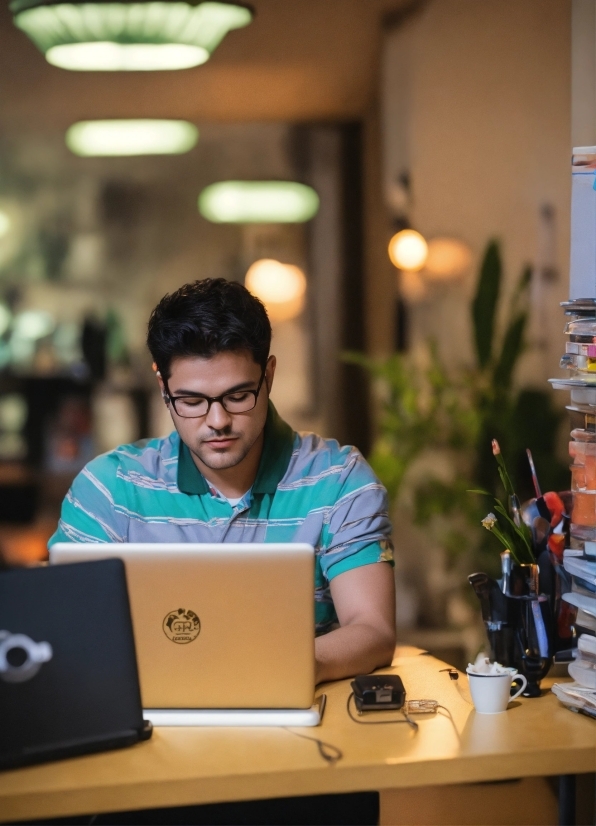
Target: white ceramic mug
[491,692]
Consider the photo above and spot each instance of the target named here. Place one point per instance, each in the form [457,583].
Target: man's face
[220,439]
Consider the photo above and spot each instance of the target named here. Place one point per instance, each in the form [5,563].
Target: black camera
[380,692]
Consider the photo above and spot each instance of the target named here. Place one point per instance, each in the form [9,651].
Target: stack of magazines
[580,695]
[578,579]
[582,567]
[576,697]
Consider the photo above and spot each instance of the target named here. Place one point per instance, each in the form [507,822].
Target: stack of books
[581,694]
[582,567]
[579,576]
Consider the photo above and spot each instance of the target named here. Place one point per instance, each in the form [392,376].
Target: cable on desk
[406,719]
[454,675]
[449,715]
[330,753]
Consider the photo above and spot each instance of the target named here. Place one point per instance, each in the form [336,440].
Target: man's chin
[220,459]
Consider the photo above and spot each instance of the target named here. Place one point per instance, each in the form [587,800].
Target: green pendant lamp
[144,35]
[258,202]
[127,138]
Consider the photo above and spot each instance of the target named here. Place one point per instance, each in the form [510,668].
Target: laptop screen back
[84,696]
[218,626]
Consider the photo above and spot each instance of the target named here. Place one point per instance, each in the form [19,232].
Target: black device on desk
[68,672]
[378,692]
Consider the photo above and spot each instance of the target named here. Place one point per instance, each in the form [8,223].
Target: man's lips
[221,443]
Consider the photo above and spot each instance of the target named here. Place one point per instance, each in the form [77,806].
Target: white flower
[489,521]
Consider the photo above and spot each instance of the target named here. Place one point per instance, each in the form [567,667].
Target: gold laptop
[217,626]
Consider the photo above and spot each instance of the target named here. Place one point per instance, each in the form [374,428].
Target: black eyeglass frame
[211,399]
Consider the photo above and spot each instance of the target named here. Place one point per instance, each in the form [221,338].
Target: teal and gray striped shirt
[307,489]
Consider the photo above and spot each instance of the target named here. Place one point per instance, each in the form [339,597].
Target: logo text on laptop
[181,626]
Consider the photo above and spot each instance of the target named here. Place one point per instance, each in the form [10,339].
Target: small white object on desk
[490,685]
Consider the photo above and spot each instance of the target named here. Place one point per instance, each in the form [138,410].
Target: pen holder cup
[518,625]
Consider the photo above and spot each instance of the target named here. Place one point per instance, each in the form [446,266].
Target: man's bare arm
[364,600]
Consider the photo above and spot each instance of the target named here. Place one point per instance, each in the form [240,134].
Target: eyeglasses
[194,407]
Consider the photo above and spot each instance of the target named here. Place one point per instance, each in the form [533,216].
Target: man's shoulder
[153,458]
[320,460]
[320,448]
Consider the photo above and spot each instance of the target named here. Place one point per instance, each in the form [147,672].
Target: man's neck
[233,482]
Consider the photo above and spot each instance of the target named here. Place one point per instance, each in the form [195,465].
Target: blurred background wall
[476,110]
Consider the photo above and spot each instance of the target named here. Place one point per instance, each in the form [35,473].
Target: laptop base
[306,717]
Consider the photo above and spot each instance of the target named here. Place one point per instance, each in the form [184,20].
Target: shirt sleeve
[357,530]
[89,513]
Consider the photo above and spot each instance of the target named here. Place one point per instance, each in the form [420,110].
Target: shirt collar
[278,444]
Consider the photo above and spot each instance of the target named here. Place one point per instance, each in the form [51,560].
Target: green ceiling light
[258,202]
[113,138]
[99,35]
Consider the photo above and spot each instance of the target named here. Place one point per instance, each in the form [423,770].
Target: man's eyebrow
[246,385]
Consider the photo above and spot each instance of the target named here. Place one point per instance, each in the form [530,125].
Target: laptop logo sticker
[181,626]
[20,657]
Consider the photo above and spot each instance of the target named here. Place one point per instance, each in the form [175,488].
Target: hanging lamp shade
[258,202]
[128,36]
[121,138]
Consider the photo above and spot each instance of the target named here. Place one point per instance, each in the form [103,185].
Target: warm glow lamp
[258,202]
[412,286]
[408,250]
[99,35]
[448,258]
[94,138]
[281,287]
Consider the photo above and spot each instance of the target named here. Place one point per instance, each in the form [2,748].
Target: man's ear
[162,387]
[270,372]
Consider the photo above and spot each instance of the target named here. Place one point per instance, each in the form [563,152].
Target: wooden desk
[188,766]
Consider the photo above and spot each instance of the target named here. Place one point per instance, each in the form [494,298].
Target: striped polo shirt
[307,489]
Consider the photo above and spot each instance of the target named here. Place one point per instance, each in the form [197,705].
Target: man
[233,471]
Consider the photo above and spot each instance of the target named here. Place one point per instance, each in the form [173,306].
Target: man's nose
[218,417]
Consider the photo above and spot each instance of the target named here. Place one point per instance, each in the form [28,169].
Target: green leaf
[506,481]
[485,304]
[520,536]
[513,347]
[521,291]
[504,474]
[513,340]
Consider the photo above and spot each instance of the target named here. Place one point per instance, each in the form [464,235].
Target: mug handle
[522,689]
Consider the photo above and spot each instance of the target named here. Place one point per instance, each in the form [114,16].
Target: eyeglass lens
[190,407]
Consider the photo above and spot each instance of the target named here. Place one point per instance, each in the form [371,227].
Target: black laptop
[68,673]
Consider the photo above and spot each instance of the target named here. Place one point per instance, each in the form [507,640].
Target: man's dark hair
[208,317]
